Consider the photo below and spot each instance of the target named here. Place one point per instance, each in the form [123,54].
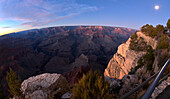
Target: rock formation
[44,86]
[125,59]
[159,89]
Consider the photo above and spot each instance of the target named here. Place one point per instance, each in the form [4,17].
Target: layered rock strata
[125,59]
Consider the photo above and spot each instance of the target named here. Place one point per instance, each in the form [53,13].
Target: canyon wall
[125,59]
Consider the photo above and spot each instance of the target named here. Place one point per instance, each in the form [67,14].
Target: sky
[19,15]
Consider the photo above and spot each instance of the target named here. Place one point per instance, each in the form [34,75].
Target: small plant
[14,82]
[92,86]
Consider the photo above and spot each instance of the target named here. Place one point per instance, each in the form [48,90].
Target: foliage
[168,24]
[160,28]
[149,58]
[134,36]
[14,82]
[92,86]
[163,43]
[140,64]
[152,31]
[149,30]
[137,44]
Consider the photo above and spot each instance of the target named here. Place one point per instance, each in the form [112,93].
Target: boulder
[44,86]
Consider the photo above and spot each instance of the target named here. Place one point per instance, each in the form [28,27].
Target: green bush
[160,28]
[149,58]
[14,83]
[137,44]
[163,43]
[168,24]
[152,31]
[92,86]
[134,36]
[140,64]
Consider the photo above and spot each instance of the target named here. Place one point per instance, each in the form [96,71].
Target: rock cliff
[125,59]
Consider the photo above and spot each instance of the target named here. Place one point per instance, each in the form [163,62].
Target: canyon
[61,50]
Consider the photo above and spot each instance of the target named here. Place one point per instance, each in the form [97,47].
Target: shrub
[163,43]
[160,28]
[168,24]
[134,36]
[152,31]
[149,58]
[140,63]
[14,82]
[92,86]
[137,44]
[144,28]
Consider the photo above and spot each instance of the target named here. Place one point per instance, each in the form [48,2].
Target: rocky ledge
[44,86]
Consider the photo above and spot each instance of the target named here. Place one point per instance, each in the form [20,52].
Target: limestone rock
[67,95]
[44,86]
[122,61]
[159,89]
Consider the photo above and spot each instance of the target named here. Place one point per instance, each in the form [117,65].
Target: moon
[156,7]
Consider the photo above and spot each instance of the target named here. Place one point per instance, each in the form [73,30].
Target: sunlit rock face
[125,59]
[44,86]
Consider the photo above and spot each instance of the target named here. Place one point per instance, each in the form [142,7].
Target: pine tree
[92,86]
[14,82]
[168,24]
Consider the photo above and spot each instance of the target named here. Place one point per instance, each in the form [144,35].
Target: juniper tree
[168,24]
[92,86]
[14,82]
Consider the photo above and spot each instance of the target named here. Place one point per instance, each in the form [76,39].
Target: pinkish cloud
[41,12]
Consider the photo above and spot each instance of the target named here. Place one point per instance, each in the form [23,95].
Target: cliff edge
[125,58]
